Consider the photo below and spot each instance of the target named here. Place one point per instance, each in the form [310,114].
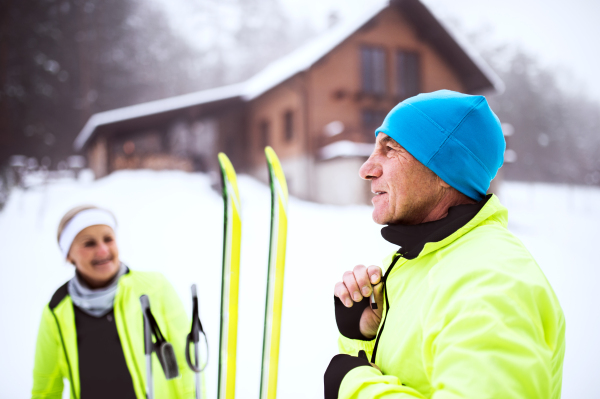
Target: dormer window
[288,125]
[263,129]
[373,69]
[408,77]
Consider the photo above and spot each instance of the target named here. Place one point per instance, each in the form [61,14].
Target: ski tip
[224,160]
[227,167]
[229,178]
[270,153]
[276,171]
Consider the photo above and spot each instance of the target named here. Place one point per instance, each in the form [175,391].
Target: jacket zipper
[387,305]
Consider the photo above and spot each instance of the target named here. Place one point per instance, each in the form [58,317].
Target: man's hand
[358,284]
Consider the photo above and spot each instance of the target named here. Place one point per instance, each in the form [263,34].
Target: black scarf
[412,238]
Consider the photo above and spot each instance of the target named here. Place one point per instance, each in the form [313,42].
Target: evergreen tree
[64,60]
[61,61]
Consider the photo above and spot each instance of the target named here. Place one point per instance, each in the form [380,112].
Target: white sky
[559,33]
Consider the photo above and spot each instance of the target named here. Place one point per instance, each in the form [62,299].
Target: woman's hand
[358,284]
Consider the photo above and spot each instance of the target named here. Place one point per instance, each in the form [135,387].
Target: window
[373,70]
[288,123]
[149,142]
[407,74]
[263,131]
[371,120]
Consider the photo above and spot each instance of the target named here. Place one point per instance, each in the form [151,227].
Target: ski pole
[148,346]
[163,349]
[194,338]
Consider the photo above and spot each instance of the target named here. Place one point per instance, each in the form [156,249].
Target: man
[461,310]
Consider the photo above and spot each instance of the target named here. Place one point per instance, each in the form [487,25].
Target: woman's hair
[71,214]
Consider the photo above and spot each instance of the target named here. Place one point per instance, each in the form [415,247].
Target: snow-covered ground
[172,222]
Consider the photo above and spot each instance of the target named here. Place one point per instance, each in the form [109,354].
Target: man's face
[405,190]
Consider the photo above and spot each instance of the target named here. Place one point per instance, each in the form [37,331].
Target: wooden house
[317,107]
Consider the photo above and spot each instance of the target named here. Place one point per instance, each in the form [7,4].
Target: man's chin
[379,218]
[381,214]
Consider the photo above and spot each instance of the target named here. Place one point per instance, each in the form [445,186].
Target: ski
[232,232]
[273,307]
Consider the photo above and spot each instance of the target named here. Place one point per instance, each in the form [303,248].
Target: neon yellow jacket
[55,361]
[472,316]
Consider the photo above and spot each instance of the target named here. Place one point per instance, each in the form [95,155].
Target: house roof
[153,107]
[474,72]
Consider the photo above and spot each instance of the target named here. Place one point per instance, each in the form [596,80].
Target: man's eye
[389,148]
[89,244]
[108,239]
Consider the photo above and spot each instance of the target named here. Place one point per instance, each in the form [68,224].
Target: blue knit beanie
[455,135]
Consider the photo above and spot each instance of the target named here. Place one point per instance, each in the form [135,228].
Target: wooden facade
[309,116]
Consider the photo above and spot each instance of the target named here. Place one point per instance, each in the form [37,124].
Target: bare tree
[557,128]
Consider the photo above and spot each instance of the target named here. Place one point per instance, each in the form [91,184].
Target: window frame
[371,119]
[401,89]
[372,82]
[264,132]
[288,125]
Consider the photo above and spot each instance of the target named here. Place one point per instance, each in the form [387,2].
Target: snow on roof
[154,107]
[345,148]
[306,56]
[272,75]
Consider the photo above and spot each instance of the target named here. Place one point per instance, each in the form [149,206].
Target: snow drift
[172,222]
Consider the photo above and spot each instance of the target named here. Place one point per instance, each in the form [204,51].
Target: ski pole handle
[189,340]
[145,302]
[195,318]
[147,329]
[168,360]
[193,338]
[163,349]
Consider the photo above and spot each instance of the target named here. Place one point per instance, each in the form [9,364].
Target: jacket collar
[418,240]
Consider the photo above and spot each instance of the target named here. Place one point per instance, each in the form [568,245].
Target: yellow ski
[277,246]
[232,234]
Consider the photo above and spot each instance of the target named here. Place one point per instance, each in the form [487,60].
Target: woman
[92,331]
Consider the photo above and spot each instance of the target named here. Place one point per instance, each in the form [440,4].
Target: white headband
[84,219]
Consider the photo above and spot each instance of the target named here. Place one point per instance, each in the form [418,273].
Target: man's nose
[370,169]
